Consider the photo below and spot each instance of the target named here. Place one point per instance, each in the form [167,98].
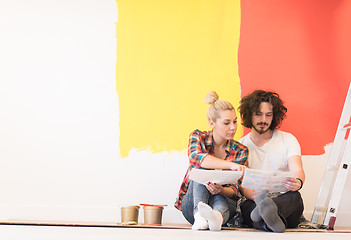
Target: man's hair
[250,104]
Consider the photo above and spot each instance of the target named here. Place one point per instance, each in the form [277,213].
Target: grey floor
[102,233]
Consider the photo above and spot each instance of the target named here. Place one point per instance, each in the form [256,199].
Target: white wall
[59,157]
[315,168]
[59,110]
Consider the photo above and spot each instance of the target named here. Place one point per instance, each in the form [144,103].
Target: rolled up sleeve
[196,149]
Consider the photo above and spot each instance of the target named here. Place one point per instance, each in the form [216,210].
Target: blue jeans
[198,192]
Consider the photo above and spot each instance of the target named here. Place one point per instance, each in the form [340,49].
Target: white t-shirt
[273,155]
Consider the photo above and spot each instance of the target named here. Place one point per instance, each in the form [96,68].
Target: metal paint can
[129,214]
[153,215]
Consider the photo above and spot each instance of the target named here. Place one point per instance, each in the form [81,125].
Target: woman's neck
[219,142]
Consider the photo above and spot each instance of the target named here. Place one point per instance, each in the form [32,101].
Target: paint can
[130,214]
[153,215]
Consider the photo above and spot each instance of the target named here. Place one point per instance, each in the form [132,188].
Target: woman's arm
[248,193]
[231,190]
[214,188]
[199,157]
[212,162]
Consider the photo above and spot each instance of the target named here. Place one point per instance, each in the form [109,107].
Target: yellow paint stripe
[169,55]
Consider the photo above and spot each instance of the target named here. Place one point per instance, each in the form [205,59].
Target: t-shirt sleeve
[293,146]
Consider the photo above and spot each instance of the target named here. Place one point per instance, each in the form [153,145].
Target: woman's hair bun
[211,97]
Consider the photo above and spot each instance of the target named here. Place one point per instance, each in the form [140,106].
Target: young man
[273,150]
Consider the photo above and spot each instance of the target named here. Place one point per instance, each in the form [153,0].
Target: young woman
[211,206]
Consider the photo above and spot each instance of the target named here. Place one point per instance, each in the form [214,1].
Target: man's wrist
[300,182]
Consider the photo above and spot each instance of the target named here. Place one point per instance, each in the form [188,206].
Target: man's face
[261,120]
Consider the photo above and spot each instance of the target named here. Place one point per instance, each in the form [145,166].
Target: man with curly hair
[273,150]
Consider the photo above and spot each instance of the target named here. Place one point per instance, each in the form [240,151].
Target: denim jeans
[290,209]
[198,193]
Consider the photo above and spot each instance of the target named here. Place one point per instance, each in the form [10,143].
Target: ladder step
[321,209]
[336,170]
[333,168]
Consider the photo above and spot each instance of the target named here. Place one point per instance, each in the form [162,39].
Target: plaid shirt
[200,145]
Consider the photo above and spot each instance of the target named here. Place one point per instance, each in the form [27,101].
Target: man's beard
[262,130]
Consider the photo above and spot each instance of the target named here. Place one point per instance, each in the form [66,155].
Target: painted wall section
[300,49]
[169,55]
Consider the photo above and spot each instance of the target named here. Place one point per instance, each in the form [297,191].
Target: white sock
[200,223]
[214,218]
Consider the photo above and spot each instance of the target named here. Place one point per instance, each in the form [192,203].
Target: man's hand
[292,184]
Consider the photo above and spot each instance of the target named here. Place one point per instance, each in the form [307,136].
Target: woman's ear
[212,123]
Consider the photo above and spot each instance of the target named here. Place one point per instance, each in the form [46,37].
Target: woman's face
[226,124]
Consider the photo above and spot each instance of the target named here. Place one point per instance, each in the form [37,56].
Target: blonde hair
[216,105]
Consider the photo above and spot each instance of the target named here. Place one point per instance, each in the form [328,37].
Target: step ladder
[336,172]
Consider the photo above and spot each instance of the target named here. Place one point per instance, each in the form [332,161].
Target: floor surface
[19,232]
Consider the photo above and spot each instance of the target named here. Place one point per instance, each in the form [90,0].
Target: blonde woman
[212,205]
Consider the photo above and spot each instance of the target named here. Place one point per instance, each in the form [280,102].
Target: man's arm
[295,166]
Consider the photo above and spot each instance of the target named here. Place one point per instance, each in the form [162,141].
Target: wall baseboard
[60,213]
[79,213]
[108,214]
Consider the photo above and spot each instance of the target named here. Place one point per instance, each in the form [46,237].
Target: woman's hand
[237,167]
[214,188]
[292,184]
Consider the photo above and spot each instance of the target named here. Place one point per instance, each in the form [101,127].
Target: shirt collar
[209,142]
